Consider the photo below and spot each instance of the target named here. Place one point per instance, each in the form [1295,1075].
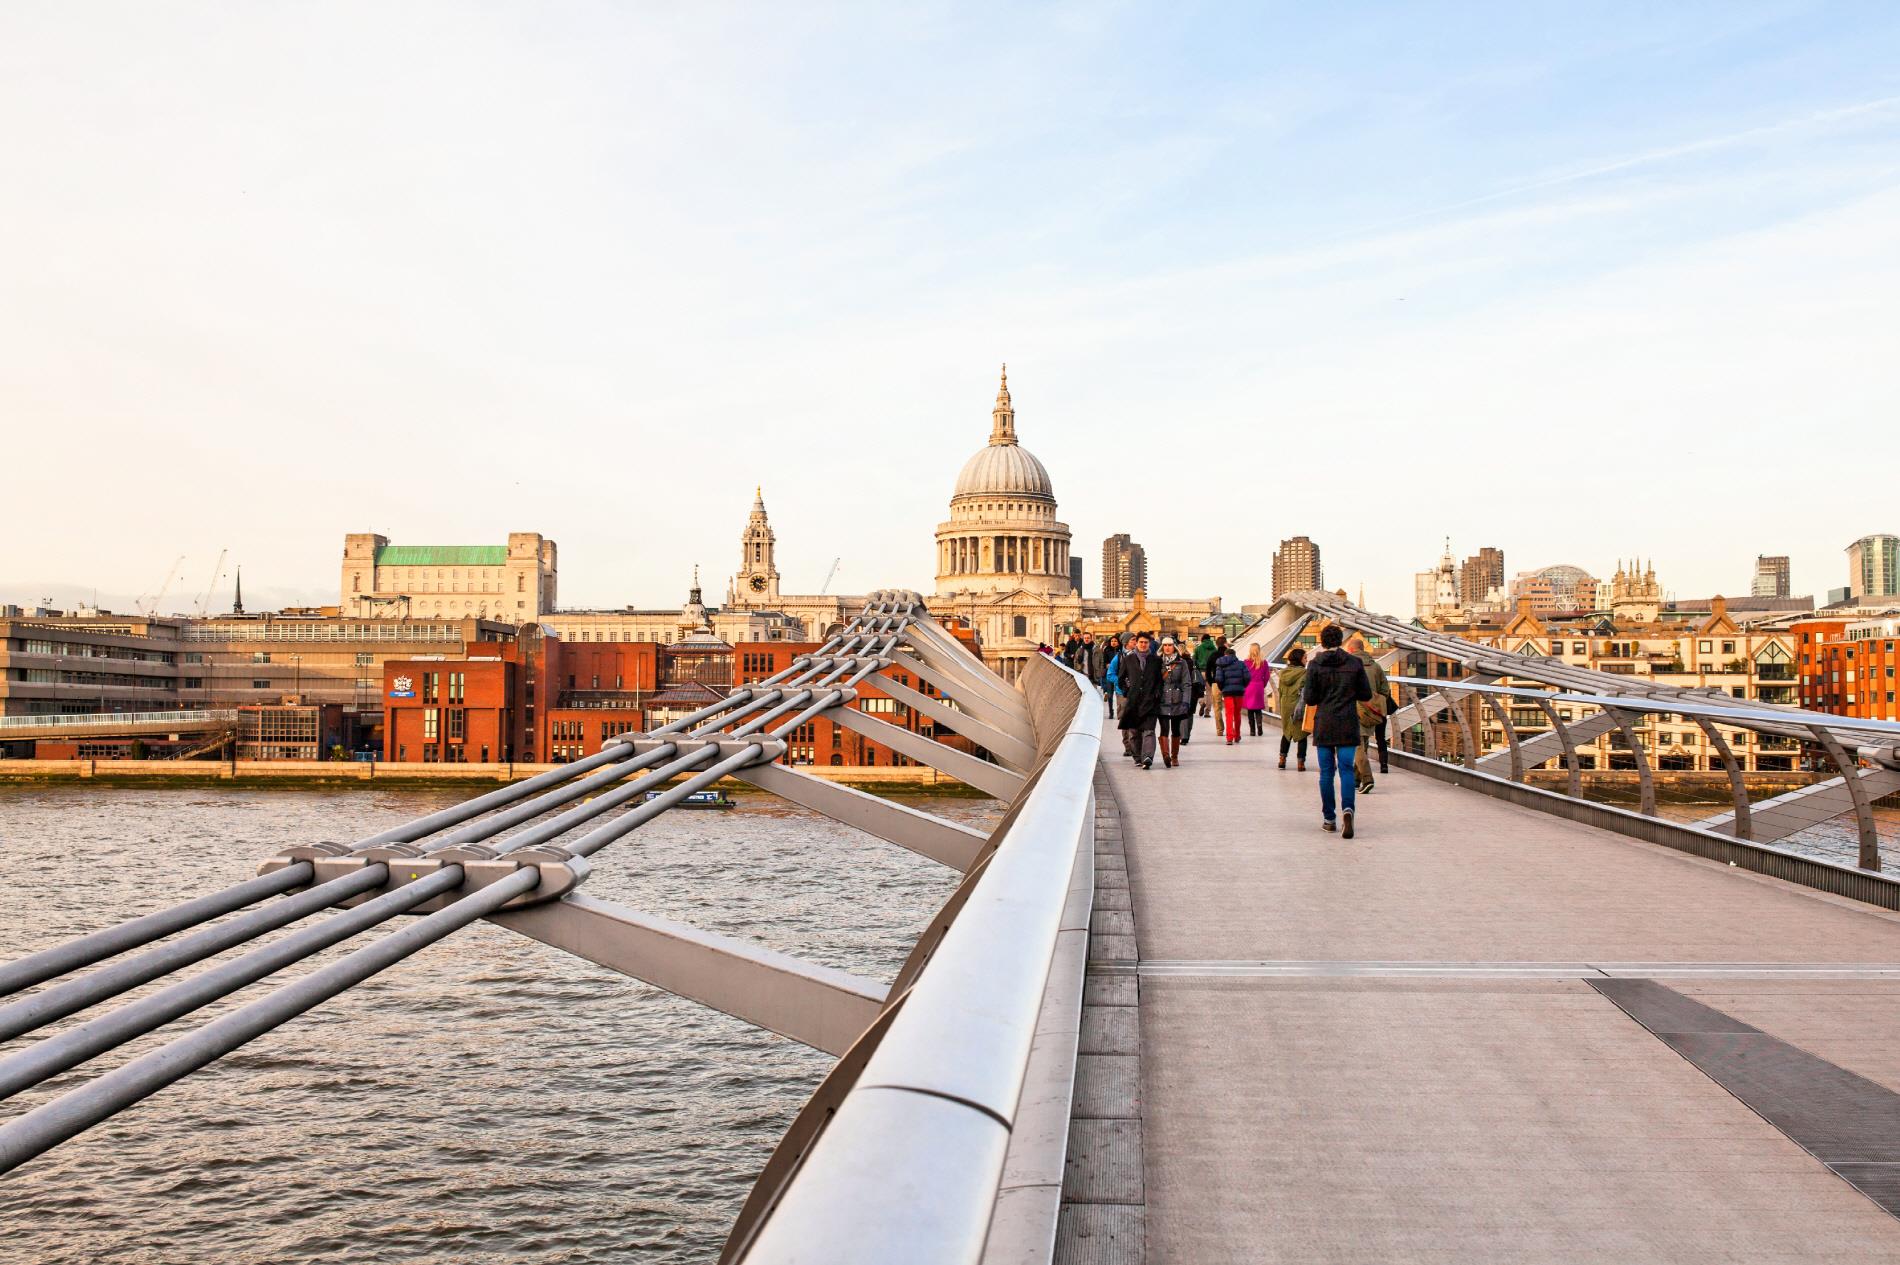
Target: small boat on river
[700,799]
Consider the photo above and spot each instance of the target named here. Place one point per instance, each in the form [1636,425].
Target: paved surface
[1386,1050]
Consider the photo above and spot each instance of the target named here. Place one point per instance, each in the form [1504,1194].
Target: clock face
[758,584]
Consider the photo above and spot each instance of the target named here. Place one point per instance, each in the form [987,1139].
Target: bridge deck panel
[1473,1118]
[1227,861]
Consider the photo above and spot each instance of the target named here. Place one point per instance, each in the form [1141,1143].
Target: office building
[1873,566]
[1296,567]
[1124,567]
[1771,576]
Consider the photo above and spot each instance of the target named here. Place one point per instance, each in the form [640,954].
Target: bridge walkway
[1419,1045]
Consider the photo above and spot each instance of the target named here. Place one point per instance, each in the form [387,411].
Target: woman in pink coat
[1254,701]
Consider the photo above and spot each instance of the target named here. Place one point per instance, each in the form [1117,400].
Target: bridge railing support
[904,1159]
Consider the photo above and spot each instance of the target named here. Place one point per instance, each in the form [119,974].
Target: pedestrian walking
[1141,687]
[1291,703]
[1203,658]
[1231,678]
[1111,674]
[1178,695]
[1253,700]
[1197,682]
[1335,686]
[1372,714]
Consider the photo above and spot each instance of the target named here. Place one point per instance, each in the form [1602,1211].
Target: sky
[1579,281]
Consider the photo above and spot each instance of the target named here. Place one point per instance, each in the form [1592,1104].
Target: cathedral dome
[1004,470]
[1004,467]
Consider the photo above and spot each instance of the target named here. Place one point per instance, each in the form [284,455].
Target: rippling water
[489,1098]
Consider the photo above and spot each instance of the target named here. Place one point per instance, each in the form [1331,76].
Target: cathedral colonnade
[1003,555]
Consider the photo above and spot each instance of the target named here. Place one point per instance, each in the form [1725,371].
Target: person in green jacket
[1205,654]
[1382,702]
[1292,682]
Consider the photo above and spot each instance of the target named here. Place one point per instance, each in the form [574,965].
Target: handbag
[1372,712]
[1310,717]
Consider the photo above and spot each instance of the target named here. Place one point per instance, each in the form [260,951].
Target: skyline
[517,277]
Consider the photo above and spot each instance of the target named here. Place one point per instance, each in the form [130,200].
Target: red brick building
[545,700]
[1849,666]
[487,708]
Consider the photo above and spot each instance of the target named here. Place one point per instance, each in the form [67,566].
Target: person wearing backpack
[1336,684]
[1231,677]
[1372,715]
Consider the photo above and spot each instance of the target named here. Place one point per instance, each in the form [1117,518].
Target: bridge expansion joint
[561,871]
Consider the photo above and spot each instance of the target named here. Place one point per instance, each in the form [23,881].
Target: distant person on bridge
[1372,715]
[1204,656]
[1254,699]
[1111,676]
[1232,678]
[1292,705]
[1178,696]
[1141,686]
[1197,688]
[1336,684]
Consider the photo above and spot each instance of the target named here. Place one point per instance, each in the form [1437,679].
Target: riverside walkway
[1476,1033]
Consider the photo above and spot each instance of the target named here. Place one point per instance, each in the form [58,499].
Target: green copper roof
[442,556]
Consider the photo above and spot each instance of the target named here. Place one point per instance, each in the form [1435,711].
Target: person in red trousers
[1231,676]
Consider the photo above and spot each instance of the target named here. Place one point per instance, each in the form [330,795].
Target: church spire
[237,600]
[1003,416]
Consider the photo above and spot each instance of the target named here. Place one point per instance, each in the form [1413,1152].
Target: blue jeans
[1340,758]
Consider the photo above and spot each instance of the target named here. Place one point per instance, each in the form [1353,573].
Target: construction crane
[830,576]
[149,606]
[217,570]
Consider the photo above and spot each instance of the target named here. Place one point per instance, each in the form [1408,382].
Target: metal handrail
[1756,719]
[909,1167]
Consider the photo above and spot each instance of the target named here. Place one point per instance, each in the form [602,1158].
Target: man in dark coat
[1141,679]
[1336,684]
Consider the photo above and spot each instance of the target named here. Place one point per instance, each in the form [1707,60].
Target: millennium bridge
[1163,1017]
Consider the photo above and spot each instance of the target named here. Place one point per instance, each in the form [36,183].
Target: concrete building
[1481,578]
[1075,575]
[1296,567]
[742,619]
[1873,567]
[1771,576]
[516,582]
[54,664]
[1559,588]
[1124,567]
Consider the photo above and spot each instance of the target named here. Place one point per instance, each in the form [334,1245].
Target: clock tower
[756,584]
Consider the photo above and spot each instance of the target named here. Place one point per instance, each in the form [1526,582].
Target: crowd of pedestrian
[1153,687]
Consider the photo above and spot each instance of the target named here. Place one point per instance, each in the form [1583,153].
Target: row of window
[75,650]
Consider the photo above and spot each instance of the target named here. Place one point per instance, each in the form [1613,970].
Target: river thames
[490,1098]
